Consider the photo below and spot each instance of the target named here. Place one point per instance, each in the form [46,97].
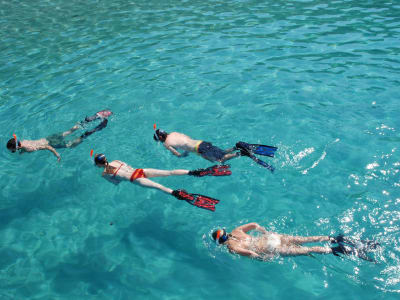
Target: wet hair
[12,145]
[160,135]
[222,237]
[100,159]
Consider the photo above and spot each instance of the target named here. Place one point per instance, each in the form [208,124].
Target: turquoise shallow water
[319,80]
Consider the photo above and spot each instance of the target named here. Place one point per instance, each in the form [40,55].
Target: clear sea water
[318,79]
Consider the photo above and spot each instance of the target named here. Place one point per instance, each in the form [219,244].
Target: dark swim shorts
[208,151]
[57,140]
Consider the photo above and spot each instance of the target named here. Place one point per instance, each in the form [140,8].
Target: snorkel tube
[16,142]
[220,236]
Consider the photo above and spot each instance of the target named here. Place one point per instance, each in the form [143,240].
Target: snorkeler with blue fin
[175,141]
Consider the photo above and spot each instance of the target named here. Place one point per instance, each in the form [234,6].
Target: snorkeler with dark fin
[270,244]
[118,171]
[58,141]
[175,141]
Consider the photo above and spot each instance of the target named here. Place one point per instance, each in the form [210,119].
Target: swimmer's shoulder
[116,163]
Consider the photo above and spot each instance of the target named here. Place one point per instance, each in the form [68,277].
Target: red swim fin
[215,170]
[196,199]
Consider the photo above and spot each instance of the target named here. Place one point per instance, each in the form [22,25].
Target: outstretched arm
[53,151]
[251,226]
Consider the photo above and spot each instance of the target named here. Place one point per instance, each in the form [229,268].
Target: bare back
[263,246]
[34,145]
[181,141]
[118,171]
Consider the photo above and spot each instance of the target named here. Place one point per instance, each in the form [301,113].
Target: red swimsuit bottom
[138,173]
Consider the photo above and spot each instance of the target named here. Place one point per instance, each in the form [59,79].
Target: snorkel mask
[220,236]
[100,159]
[159,136]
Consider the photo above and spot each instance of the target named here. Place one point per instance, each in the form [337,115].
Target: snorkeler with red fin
[117,171]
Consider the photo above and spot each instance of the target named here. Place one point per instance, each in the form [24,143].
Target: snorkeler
[117,171]
[270,244]
[175,140]
[57,141]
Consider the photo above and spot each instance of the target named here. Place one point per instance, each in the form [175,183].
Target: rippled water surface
[318,79]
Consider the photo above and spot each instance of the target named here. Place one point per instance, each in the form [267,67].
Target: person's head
[220,236]
[13,145]
[160,135]
[100,160]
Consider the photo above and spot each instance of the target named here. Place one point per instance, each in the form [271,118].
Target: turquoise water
[318,79]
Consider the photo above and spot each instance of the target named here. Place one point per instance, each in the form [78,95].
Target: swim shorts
[208,151]
[138,173]
[57,140]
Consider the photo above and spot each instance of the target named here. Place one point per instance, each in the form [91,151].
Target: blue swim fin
[245,152]
[258,149]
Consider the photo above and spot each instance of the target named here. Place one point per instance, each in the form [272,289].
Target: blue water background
[318,79]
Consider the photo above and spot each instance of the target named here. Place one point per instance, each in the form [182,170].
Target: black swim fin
[349,247]
[103,114]
[257,149]
[99,127]
[196,199]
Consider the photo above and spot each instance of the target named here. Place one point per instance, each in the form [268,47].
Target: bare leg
[295,250]
[68,132]
[229,156]
[164,173]
[304,239]
[231,150]
[153,185]
[74,143]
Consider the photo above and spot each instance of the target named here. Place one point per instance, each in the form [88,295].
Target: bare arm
[173,150]
[245,252]
[251,226]
[53,151]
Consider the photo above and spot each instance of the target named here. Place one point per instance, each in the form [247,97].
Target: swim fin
[257,149]
[245,152]
[215,170]
[349,247]
[103,114]
[196,199]
[99,127]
